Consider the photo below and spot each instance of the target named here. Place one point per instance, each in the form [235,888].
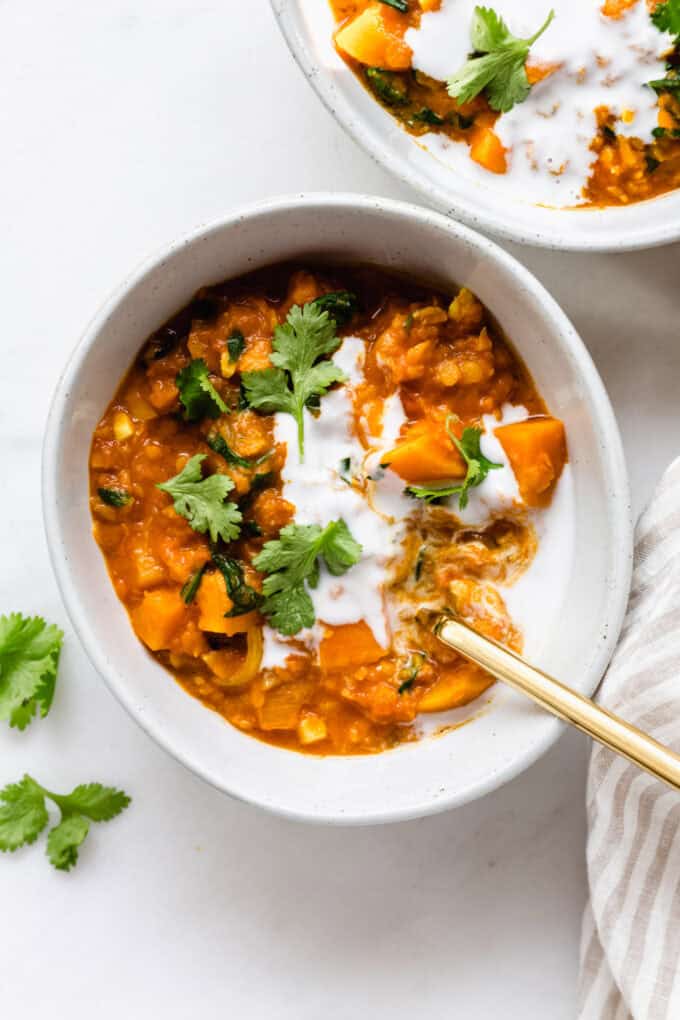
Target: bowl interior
[415,778]
[308,26]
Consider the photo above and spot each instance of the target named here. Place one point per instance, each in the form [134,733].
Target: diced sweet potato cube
[455,687]
[348,646]
[159,617]
[375,38]
[487,150]
[213,602]
[426,454]
[537,451]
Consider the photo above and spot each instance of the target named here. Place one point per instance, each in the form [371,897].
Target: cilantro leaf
[64,840]
[298,376]
[498,65]
[292,564]
[478,467]
[29,658]
[23,816]
[197,393]
[666,17]
[201,501]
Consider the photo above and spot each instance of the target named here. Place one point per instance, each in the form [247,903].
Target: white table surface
[125,123]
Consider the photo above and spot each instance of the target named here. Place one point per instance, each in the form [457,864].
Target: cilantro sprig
[23,816]
[201,501]
[666,17]
[497,65]
[302,372]
[29,658]
[478,467]
[199,397]
[292,564]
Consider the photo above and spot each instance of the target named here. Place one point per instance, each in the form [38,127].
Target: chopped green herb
[651,163]
[399,5]
[609,133]
[114,497]
[499,66]
[427,116]
[218,444]
[236,345]
[201,501]
[384,84]
[671,83]
[408,322]
[29,659]
[301,370]
[478,467]
[191,586]
[198,395]
[341,305]
[291,563]
[244,597]
[23,816]
[344,468]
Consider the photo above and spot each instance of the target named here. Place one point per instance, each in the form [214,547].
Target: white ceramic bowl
[413,779]
[308,27]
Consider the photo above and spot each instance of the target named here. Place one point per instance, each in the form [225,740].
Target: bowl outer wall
[414,779]
[307,26]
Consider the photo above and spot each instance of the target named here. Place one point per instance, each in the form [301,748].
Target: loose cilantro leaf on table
[243,596]
[307,336]
[201,501]
[498,63]
[114,497]
[23,816]
[478,467]
[666,17]
[292,564]
[198,395]
[29,657]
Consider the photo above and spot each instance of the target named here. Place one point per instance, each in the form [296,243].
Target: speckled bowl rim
[618,494]
[610,233]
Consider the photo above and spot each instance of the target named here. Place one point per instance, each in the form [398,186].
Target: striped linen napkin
[630,946]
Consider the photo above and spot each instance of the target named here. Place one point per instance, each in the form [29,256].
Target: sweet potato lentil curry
[299,471]
[588,113]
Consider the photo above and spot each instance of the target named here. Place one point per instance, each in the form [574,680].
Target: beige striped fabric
[630,946]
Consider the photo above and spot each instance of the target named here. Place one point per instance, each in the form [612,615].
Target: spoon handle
[566,704]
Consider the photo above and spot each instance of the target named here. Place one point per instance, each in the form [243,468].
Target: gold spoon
[566,704]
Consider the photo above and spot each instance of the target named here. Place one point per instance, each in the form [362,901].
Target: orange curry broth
[626,169]
[440,364]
